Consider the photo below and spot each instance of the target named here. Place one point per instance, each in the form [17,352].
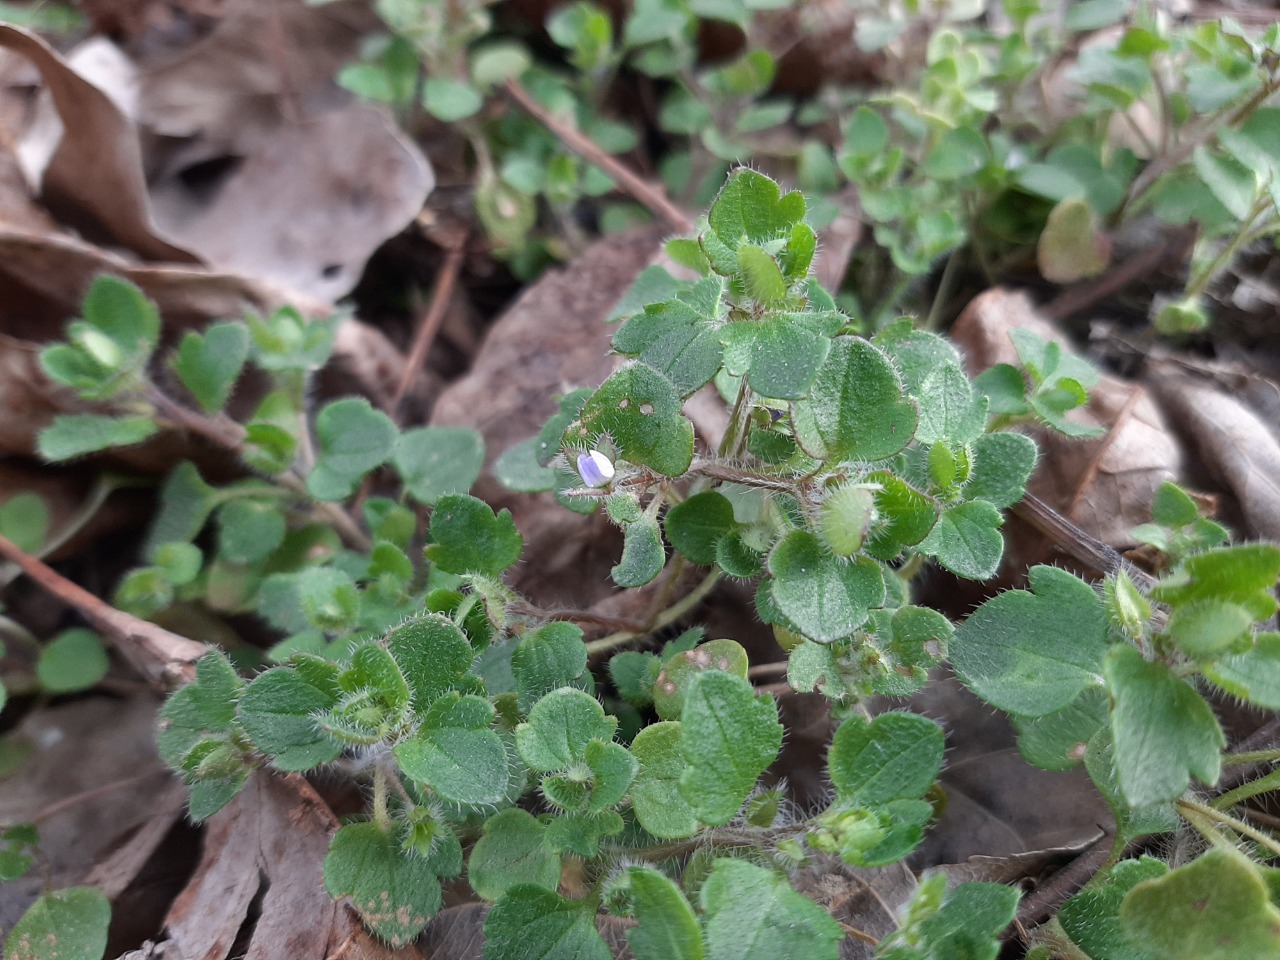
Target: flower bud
[595,468]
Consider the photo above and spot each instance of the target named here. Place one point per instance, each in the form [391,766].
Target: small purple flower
[595,469]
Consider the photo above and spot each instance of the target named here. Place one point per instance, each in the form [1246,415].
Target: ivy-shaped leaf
[655,794]
[754,914]
[395,893]
[825,596]
[1033,652]
[468,537]
[533,923]
[512,851]
[639,410]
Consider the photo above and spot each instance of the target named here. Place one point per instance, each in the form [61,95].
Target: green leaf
[66,924]
[467,537]
[518,469]
[679,669]
[24,519]
[640,411]
[1001,465]
[655,794]
[1244,574]
[546,659]
[694,526]
[1005,389]
[967,923]
[750,206]
[675,339]
[1253,675]
[581,833]
[73,435]
[463,764]
[908,515]
[1210,628]
[1232,183]
[435,461]
[206,706]
[1092,917]
[643,554]
[728,736]
[1215,908]
[512,852]
[1059,740]
[1032,653]
[395,893]
[534,923]
[1131,822]
[961,152]
[856,407]
[950,408]
[667,928]
[754,914]
[353,438]
[249,530]
[896,756]
[966,540]
[559,727]
[760,274]
[781,353]
[586,31]
[1173,507]
[826,596]
[433,655]
[866,136]
[613,769]
[278,712]
[209,365]
[73,660]
[450,100]
[1163,731]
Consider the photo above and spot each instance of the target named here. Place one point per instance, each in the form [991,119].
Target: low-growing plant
[496,743]
[1019,132]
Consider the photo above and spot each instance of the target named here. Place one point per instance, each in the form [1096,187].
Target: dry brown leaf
[867,900]
[91,781]
[270,843]
[94,177]
[1237,447]
[305,208]
[1105,486]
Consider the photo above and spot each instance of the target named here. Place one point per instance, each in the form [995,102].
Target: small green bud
[847,515]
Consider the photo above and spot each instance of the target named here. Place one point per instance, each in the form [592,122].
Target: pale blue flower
[595,469]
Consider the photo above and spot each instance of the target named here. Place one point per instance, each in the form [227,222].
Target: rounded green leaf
[535,923]
[856,407]
[559,727]
[209,364]
[825,596]
[73,660]
[1162,730]
[1092,917]
[434,461]
[396,893]
[1002,464]
[462,766]
[643,554]
[352,438]
[1215,908]
[728,736]
[513,851]
[694,526]
[468,537]
[966,540]
[76,434]
[432,653]
[546,659]
[24,519]
[896,756]
[1032,653]
[449,100]
[63,925]
[640,411]
[655,793]
[754,914]
[667,928]
[278,711]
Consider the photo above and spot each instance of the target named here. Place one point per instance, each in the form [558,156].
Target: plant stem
[650,195]
[1243,792]
[1187,807]
[381,813]
[666,618]
[1252,756]
[425,335]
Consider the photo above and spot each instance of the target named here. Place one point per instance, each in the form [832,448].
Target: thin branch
[669,616]
[650,195]
[426,333]
[1071,540]
[165,659]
